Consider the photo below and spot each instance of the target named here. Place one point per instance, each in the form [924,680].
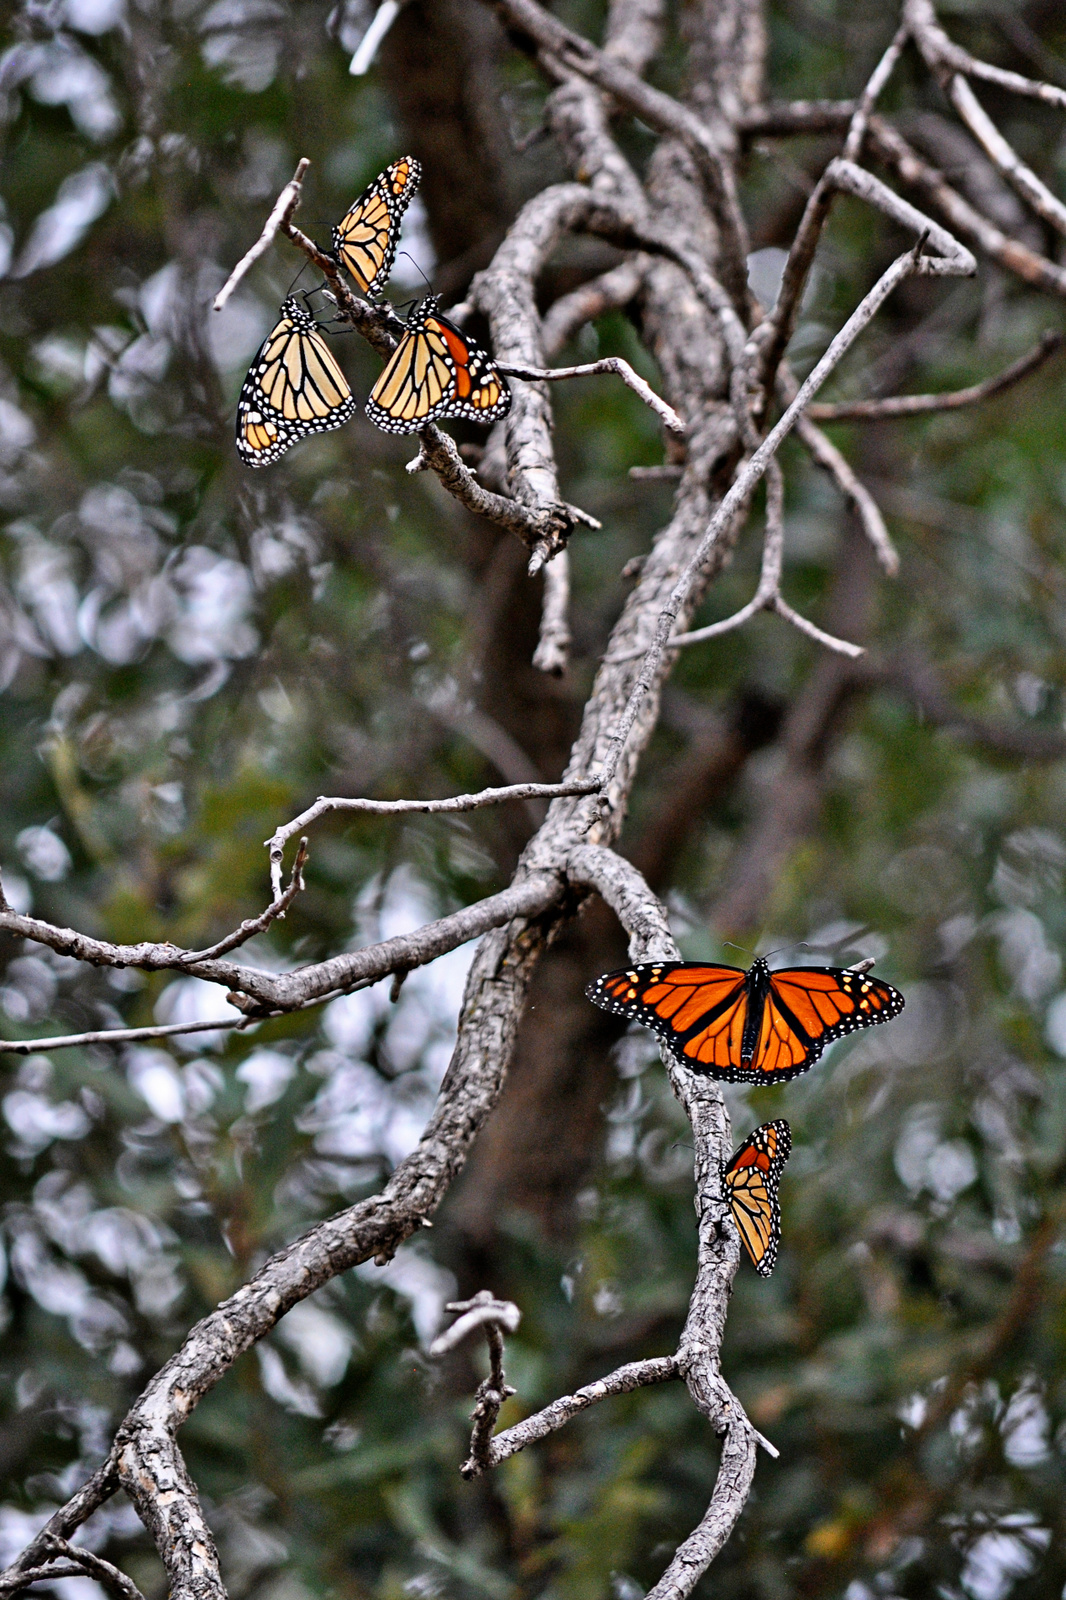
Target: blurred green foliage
[189,653]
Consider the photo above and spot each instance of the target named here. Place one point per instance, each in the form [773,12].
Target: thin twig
[253,925]
[484,1311]
[767,344]
[868,99]
[481,1309]
[635,1375]
[826,455]
[66,1041]
[111,1577]
[620,368]
[842,647]
[782,118]
[954,262]
[665,472]
[387,808]
[940,52]
[913,405]
[367,48]
[284,206]
[767,596]
[892,148]
[1022,179]
[552,654]
[21,1578]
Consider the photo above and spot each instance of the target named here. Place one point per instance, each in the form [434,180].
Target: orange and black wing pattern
[750,1181]
[699,1010]
[436,371]
[808,1007]
[294,388]
[746,1027]
[365,239]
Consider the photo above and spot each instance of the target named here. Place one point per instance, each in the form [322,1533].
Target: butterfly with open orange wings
[750,1180]
[746,1027]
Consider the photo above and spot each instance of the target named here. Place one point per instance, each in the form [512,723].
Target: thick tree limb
[658,110]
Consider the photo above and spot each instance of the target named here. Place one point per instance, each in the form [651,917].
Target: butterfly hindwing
[365,239]
[436,371]
[746,1027]
[294,388]
[750,1180]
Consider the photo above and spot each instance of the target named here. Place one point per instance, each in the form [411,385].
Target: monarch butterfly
[436,371]
[293,388]
[364,240]
[750,1181]
[746,1027]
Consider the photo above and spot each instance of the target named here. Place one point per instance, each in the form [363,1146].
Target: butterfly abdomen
[758,989]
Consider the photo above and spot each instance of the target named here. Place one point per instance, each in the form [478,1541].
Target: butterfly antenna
[728,944]
[795,944]
[418,269]
[296,280]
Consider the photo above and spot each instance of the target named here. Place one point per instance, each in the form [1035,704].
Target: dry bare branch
[666,414]
[284,206]
[109,1576]
[391,808]
[635,1375]
[941,53]
[784,118]
[683,221]
[21,1578]
[915,405]
[494,1317]
[767,596]
[658,111]
[553,646]
[166,1030]
[367,48]
[953,262]
[1022,179]
[892,148]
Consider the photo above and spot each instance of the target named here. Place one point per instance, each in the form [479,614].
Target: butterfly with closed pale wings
[746,1027]
[436,371]
[294,388]
[365,239]
[750,1180]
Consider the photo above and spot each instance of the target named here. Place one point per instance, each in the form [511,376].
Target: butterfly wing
[750,1181]
[479,390]
[435,371]
[415,384]
[808,1007]
[698,1010]
[365,239]
[294,388]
